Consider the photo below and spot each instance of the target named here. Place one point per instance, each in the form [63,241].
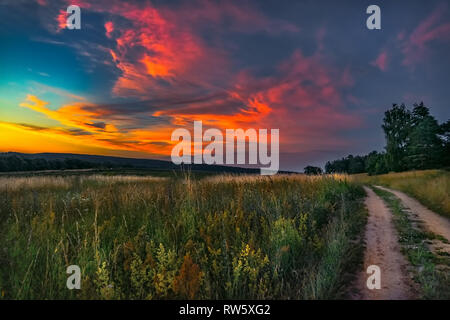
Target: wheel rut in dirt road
[383,250]
[432,221]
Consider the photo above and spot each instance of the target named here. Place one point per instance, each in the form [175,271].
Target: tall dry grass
[121,178]
[18,183]
[64,182]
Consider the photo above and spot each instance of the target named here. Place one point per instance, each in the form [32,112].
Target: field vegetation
[221,237]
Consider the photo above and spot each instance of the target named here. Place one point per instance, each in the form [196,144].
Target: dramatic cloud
[137,70]
[174,76]
[77,115]
[79,121]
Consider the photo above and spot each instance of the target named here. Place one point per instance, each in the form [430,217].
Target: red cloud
[61,19]
[381,61]
[160,52]
[160,45]
[155,49]
[415,47]
[109,27]
[304,100]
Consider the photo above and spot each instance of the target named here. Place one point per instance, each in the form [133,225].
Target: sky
[137,70]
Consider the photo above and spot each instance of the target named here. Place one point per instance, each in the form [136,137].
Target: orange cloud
[249,116]
[163,44]
[162,41]
[81,124]
[164,59]
[61,19]
[154,67]
[78,115]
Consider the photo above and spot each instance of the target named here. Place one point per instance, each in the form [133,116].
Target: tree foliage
[312,170]
[414,141]
[10,163]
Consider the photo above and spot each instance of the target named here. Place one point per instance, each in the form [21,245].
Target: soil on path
[431,221]
[383,250]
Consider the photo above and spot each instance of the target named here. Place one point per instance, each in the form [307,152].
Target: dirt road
[432,221]
[383,250]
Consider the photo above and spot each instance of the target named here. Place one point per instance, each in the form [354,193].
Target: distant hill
[15,161]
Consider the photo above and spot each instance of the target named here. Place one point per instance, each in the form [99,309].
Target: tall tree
[397,127]
[419,113]
[444,134]
[424,146]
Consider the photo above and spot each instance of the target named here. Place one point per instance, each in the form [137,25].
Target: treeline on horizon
[16,162]
[12,163]
[414,141]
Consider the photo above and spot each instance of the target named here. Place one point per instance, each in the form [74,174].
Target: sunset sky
[137,70]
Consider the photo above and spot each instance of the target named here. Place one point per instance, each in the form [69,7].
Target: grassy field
[430,187]
[141,237]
